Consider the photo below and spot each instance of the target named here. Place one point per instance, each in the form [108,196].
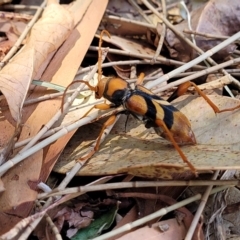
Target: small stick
[154,215]
[146,56]
[206,35]
[141,12]
[199,74]
[137,184]
[163,33]
[201,207]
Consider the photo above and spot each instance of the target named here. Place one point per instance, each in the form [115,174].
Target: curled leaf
[45,38]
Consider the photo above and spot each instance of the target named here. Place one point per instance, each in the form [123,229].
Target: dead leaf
[141,152]
[174,230]
[61,70]
[17,200]
[122,26]
[131,216]
[129,45]
[224,23]
[2,188]
[16,76]
[13,24]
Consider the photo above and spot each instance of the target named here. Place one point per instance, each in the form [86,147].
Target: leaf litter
[123,151]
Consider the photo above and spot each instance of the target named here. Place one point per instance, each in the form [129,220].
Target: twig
[137,184]
[200,209]
[130,62]
[152,216]
[205,55]
[150,26]
[159,8]
[32,221]
[206,35]
[19,7]
[218,83]
[183,5]
[53,227]
[162,35]
[23,35]
[110,64]
[135,5]
[21,156]
[195,75]
[146,56]
[217,209]
[29,147]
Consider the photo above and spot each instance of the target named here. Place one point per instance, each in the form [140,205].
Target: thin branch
[198,214]
[198,74]
[206,35]
[146,56]
[135,5]
[137,184]
[163,32]
[155,215]
[203,56]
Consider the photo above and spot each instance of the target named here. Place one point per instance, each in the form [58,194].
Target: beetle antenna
[66,89]
[100,53]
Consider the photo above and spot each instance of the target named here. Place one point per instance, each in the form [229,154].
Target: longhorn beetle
[140,102]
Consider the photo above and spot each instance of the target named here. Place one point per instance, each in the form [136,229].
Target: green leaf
[49,85]
[97,226]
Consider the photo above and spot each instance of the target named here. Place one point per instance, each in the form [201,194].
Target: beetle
[152,110]
[144,105]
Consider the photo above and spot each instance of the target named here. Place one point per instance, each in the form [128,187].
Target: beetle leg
[161,123]
[183,88]
[140,79]
[100,106]
[108,123]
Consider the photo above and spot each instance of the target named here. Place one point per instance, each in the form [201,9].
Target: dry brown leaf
[131,216]
[17,200]
[123,9]
[141,152]
[2,188]
[61,70]
[13,24]
[173,230]
[16,76]
[129,45]
[92,16]
[120,26]
[224,23]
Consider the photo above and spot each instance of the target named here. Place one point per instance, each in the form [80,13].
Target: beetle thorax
[116,90]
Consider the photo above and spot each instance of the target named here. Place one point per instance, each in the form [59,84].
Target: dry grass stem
[204,55]
[150,26]
[195,75]
[137,184]
[200,209]
[19,7]
[163,33]
[205,34]
[146,56]
[152,216]
[141,12]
